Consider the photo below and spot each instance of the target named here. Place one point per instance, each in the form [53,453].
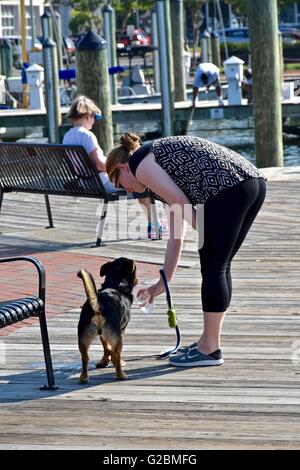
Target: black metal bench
[55,169]
[16,310]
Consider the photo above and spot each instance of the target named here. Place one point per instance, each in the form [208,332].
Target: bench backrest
[51,168]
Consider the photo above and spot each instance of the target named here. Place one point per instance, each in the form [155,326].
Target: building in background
[10,17]
[291,14]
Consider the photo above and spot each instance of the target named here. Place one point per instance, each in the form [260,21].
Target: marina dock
[207,115]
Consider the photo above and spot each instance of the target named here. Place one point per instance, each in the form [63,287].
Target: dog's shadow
[24,386]
[107,374]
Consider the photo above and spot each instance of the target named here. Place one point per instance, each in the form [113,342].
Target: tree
[194,8]
[125,8]
[85,14]
[240,10]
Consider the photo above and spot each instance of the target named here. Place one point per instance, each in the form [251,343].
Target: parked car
[238,43]
[138,38]
[290,36]
[236,35]
[289,27]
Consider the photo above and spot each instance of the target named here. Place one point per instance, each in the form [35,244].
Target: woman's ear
[123,166]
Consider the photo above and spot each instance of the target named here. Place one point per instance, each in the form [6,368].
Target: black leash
[171,318]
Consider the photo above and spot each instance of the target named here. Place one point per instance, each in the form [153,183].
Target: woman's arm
[172,257]
[98,159]
[180,210]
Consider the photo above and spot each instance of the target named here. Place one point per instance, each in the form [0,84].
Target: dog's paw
[101,364]
[83,379]
[122,376]
[123,363]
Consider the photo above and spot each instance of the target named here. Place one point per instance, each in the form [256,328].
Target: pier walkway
[250,402]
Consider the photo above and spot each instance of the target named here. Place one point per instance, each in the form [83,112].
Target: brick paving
[64,290]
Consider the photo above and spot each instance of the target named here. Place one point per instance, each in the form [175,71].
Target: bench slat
[49,168]
[17,310]
[55,169]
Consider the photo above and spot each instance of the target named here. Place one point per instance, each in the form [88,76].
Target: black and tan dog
[106,313]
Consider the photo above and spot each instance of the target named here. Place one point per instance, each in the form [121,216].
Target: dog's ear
[126,265]
[104,268]
[132,265]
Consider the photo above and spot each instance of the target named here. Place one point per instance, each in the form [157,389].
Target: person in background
[185,172]
[83,112]
[247,85]
[207,74]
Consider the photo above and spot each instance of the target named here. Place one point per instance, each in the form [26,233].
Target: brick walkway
[64,290]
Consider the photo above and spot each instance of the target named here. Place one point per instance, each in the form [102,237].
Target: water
[240,140]
[243,142]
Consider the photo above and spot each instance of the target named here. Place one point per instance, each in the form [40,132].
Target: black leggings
[227,220]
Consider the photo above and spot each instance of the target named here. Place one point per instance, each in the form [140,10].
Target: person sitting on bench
[84,112]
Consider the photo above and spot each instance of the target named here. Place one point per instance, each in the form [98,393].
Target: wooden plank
[252,401]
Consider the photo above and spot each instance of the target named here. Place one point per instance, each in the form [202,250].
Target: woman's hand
[148,294]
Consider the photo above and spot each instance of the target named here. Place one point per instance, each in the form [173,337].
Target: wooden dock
[251,402]
[207,115]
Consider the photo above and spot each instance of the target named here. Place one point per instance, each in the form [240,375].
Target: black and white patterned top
[200,168]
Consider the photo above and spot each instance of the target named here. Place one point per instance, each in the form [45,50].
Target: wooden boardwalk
[251,402]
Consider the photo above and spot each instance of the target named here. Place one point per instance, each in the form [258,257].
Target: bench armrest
[40,268]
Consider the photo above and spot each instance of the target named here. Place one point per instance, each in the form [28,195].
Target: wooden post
[57,34]
[32,24]
[155,43]
[176,7]
[109,26]
[52,90]
[281,60]
[93,81]
[25,89]
[166,66]
[215,49]
[47,25]
[6,58]
[205,41]
[23,32]
[263,26]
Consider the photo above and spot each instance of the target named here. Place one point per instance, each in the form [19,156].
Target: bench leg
[49,211]
[47,354]
[101,224]
[1,199]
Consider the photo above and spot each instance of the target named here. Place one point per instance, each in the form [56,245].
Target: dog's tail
[90,289]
